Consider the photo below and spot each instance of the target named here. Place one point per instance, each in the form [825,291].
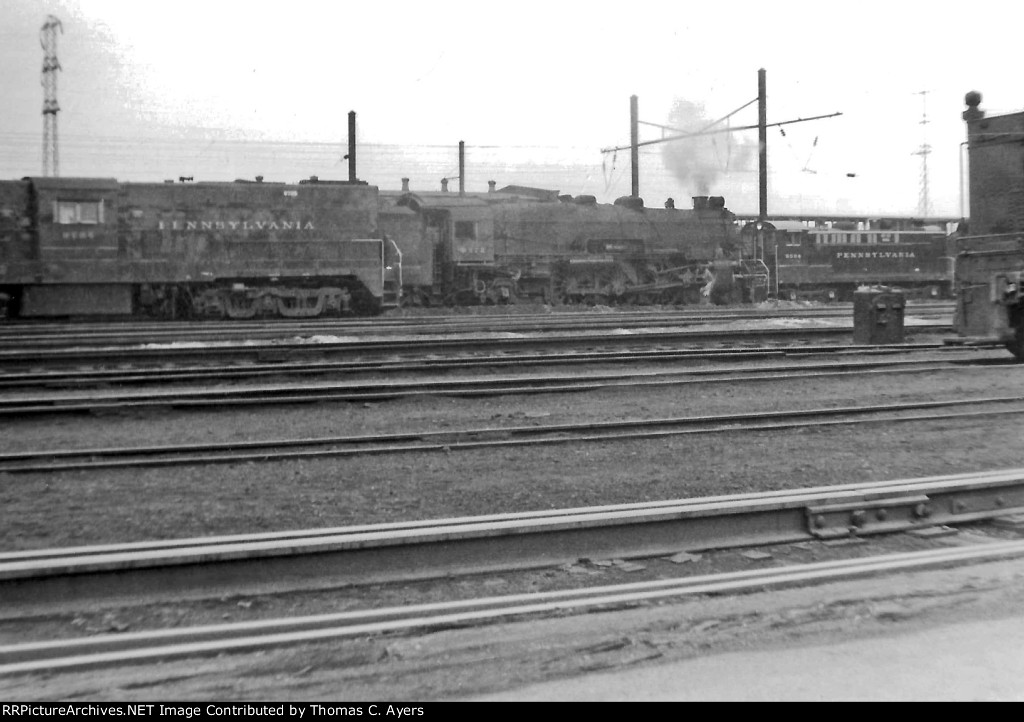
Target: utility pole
[462,167]
[351,146]
[48,39]
[923,204]
[634,148]
[762,143]
[762,132]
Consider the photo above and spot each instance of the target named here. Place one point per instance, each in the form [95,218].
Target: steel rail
[104,650]
[487,437]
[284,351]
[385,390]
[34,582]
[208,372]
[863,488]
[85,333]
[250,371]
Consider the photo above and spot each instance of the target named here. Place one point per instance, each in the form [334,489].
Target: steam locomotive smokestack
[462,167]
[352,146]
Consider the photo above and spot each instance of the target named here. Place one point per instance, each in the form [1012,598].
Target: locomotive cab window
[66,212]
[465,230]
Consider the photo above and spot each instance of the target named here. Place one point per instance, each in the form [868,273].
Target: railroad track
[48,334]
[39,582]
[387,390]
[145,375]
[162,645]
[53,460]
[12,359]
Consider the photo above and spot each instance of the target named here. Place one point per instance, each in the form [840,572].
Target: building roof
[440,200]
[542,194]
[53,183]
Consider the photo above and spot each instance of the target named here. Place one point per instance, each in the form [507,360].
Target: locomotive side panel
[235,249]
[16,240]
[836,262]
[246,249]
[211,231]
[75,262]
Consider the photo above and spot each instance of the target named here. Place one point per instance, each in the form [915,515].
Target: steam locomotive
[98,247]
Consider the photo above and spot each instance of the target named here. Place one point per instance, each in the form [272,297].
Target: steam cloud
[700,162]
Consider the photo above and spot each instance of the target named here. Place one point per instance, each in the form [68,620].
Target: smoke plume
[699,163]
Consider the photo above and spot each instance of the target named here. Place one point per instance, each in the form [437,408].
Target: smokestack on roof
[700,203]
[491,185]
[405,185]
[444,185]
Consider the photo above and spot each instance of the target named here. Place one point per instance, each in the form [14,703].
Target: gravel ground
[73,508]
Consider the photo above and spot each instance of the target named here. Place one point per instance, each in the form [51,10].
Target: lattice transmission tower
[924,206]
[48,39]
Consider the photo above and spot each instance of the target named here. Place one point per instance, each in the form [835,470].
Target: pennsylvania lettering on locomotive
[875,254]
[235,226]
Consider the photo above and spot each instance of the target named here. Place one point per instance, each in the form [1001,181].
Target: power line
[719,132]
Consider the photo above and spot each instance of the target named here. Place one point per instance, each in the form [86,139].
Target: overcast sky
[220,90]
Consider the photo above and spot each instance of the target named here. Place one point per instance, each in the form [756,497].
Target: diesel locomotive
[830,263]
